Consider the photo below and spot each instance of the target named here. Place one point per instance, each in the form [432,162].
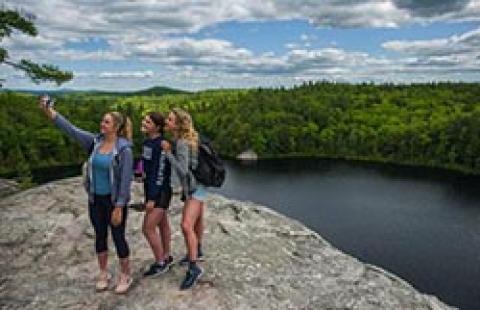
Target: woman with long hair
[158,193]
[109,176]
[183,159]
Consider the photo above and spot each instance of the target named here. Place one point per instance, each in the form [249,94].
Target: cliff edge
[255,258]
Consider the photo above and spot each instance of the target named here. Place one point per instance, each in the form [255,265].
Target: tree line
[436,124]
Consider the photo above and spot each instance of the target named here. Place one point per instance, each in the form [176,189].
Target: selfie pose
[158,194]
[108,179]
[183,159]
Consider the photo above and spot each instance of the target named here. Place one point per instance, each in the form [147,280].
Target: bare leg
[191,212]
[150,223]
[165,234]
[199,226]
[102,261]
[125,266]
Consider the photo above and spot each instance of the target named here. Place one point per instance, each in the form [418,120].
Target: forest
[435,124]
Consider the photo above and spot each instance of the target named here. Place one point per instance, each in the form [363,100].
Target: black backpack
[210,170]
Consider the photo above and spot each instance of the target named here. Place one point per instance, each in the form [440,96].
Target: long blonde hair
[123,125]
[185,129]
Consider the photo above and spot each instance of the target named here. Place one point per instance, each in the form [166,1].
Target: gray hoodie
[121,169]
[183,160]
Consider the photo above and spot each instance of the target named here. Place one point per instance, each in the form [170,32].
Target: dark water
[421,224]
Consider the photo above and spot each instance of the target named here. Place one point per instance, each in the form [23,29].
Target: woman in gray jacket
[109,171]
[183,160]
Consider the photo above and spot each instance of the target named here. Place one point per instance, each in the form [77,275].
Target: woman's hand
[117,216]
[166,146]
[48,110]
[149,205]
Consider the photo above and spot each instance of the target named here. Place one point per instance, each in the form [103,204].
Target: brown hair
[123,124]
[185,129]
[158,119]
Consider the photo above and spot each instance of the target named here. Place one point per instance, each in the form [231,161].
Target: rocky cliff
[8,187]
[256,259]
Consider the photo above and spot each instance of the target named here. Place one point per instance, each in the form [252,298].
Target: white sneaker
[124,284]
[103,281]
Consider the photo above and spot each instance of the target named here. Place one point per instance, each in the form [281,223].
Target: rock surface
[248,155]
[8,187]
[256,259]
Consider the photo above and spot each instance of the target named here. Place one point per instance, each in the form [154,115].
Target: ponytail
[126,130]
[124,125]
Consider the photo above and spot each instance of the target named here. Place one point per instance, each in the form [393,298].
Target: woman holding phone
[109,176]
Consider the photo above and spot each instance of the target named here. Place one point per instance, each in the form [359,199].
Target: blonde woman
[183,160]
[108,183]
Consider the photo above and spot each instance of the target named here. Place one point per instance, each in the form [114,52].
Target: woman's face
[148,126]
[107,126]
[171,122]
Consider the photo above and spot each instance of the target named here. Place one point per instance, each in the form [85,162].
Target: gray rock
[8,187]
[255,259]
[248,155]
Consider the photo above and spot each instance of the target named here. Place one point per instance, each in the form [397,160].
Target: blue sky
[262,37]
[127,45]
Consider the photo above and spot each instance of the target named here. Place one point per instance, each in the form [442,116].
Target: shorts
[163,199]
[200,193]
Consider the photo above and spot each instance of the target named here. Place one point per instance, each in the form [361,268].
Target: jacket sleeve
[180,161]
[85,138]
[155,181]
[126,175]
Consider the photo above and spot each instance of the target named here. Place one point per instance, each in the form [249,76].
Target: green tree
[11,20]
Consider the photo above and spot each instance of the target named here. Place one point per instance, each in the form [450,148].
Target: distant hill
[158,91]
[153,91]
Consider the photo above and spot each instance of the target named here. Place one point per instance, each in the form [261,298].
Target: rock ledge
[256,258]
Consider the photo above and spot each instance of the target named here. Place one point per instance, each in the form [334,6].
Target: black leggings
[100,213]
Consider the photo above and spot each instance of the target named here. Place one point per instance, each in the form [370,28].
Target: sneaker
[103,281]
[192,276]
[123,284]
[156,269]
[169,261]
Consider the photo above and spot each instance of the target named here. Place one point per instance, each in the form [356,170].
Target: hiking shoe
[103,281]
[192,276]
[124,284]
[156,269]
[168,262]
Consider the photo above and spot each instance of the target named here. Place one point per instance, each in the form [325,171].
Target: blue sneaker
[193,274]
[158,268]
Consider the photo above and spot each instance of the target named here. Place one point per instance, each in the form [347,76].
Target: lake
[421,224]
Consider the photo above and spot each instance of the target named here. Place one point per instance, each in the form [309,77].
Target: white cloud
[456,44]
[117,18]
[98,55]
[143,31]
[455,54]
[186,51]
[126,74]
[292,45]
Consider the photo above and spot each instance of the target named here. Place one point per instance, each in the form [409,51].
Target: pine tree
[12,20]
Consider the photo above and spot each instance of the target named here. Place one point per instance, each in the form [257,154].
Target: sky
[195,45]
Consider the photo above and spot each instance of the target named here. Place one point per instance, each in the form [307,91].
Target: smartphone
[47,100]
